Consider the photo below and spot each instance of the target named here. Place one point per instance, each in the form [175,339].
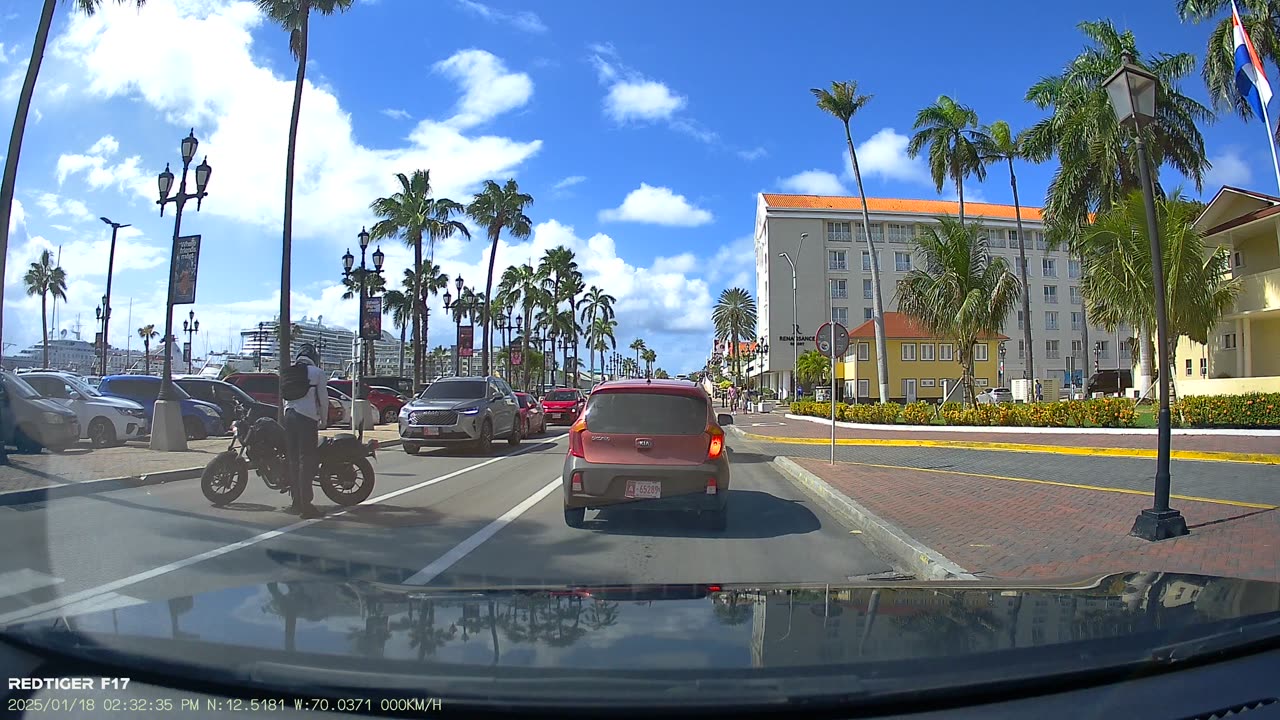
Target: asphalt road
[438,519]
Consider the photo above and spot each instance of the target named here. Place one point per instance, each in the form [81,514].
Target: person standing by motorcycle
[303,420]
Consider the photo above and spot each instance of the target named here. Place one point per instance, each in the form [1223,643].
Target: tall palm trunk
[1026,287]
[402,334]
[146,356]
[877,305]
[1084,340]
[959,186]
[286,254]
[418,321]
[44,325]
[15,139]
[488,298]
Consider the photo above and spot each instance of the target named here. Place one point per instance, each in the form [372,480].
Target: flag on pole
[1251,81]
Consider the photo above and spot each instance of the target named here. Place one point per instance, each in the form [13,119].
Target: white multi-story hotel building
[833,279]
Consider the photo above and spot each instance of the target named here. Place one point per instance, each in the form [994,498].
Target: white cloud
[99,174]
[813,182]
[734,264]
[1228,168]
[17,216]
[522,20]
[754,153]
[641,100]
[569,182]
[54,206]
[240,110]
[395,113]
[656,205]
[488,89]
[106,145]
[884,155]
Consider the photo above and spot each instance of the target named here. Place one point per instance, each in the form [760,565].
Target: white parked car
[995,395]
[345,400]
[104,420]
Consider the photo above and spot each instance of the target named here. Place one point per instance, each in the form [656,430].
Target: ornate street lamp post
[191,326]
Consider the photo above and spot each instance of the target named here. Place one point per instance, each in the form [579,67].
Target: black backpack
[294,384]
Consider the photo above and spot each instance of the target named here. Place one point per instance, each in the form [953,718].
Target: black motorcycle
[345,473]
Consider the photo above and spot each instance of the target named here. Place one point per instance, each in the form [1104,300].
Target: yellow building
[921,367]
[1243,352]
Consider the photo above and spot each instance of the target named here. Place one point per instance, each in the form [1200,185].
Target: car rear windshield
[647,413]
[562,395]
[459,390]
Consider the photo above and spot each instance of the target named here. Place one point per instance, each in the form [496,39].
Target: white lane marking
[16,582]
[444,562]
[78,597]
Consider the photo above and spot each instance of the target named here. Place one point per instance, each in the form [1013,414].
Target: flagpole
[1271,142]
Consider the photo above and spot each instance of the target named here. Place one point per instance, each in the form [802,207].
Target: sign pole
[833,393]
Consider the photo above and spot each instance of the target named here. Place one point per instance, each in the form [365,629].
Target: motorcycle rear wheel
[224,479]
[347,483]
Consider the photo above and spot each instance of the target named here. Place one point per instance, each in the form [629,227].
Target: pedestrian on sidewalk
[303,420]
[1039,391]
[733,398]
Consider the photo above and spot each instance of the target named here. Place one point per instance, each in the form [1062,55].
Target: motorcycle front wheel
[224,479]
[348,482]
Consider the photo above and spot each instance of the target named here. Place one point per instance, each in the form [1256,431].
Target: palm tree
[639,346]
[950,132]
[997,143]
[734,316]
[428,282]
[596,304]
[9,182]
[649,357]
[572,288]
[147,333]
[400,305]
[601,337]
[812,367]
[521,287]
[843,101]
[960,292]
[1118,285]
[43,278]
[295,17]
[414,215]
[497,208]
[1219,71]
[1097,157]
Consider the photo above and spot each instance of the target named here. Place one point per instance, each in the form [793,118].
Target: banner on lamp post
[185,270]
[372,328]
[466,339]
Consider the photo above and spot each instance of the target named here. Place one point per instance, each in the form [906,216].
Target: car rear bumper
[683,487]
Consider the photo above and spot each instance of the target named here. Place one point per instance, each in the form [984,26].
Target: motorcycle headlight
[54,418]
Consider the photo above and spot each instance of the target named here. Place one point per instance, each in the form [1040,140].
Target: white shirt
[310,404]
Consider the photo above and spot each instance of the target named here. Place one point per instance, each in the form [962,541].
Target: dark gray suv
[461,411]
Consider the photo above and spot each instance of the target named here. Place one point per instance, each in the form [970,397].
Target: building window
[926,351]
[1073,269]
[902,261]
[839,288]
[1013,239]
[1020,265]
[1075,295]
[1022,350]
[980,352]
[908,351]
[838,260]
[866,313]
[1077,320]
[866,288]
[899,233]
[995,238]
[838,232]
[1188,367]
[1040,242]
[1237,260]
[840,315]
[980,382]
[1021,319]
[1076,347]
[928,382]
[1049,267]
[945,352]
[864,388]
[866,261]
[877,232]
[1051,350]
[1126,349]
[864,352]
[1204,367]
[1050,320]
[1105,348]
[1051,294]
[1229,341]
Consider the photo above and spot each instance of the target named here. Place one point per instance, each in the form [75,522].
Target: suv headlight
[131,412]
[470,410]
[54,418]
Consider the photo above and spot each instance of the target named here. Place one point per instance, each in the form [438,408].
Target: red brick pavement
[807,429]
[1009,529]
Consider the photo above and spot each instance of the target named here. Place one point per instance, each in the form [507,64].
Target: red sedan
[533,419]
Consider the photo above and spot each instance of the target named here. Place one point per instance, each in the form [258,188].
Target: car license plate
[430,431]
[643,489]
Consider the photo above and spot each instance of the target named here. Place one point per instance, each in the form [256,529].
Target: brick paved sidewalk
[1007,529]
[791,428]
[132,460]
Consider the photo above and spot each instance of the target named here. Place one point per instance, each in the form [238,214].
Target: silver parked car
[461,411]
[105,421]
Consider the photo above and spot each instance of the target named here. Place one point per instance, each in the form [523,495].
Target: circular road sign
[823,339]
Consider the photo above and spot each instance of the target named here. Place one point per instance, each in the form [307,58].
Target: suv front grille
[433,417]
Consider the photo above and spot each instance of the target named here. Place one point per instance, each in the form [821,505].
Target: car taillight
[711,485]
[717,443]
[575,439]
[575,483]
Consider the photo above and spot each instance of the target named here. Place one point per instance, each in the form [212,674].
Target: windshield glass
[81,386]
[20,387]
[456,390]
[561,395]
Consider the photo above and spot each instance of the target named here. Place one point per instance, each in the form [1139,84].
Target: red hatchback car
[563,405]
[648,444]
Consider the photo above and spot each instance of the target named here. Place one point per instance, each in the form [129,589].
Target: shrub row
[1254,410]
[1098,412]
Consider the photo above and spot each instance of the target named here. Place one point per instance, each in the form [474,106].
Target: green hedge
[1099,412]
[1254,410]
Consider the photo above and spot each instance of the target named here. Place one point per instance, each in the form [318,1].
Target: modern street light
[1132,91]
[106,299]
[795,322]
[1002,352]
[167,430]
[191,326]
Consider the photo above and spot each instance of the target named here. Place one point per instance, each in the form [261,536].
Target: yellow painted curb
[1202,455]
[1077,486]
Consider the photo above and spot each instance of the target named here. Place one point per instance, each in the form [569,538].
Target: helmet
[308,351]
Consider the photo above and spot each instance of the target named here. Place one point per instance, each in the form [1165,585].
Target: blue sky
[643,132]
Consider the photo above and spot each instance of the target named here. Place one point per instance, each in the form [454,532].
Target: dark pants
[302,435]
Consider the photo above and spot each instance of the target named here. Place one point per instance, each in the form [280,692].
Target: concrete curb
[1015,430]
[885,538]
[93,487]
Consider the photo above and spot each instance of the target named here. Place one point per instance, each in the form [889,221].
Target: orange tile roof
[892,205]
[898,326]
